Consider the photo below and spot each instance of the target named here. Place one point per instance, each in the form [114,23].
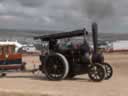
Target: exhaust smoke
[97,10]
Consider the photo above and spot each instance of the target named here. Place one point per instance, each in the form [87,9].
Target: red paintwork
[7,53]
[11,56]
[14,56]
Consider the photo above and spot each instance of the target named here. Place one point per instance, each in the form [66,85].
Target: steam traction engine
[60,63]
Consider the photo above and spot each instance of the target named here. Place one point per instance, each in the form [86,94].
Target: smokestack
[95,36]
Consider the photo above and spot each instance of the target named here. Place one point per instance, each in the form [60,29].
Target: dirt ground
[28,84]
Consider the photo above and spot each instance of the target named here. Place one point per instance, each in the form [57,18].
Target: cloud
[63,14]
[31,3]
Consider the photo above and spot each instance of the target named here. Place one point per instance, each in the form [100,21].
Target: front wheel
[56,67]
[96,72]
[108,70]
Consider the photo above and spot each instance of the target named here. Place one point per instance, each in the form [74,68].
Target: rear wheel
[56,67]
[3,74]
[96,72]
[108,70]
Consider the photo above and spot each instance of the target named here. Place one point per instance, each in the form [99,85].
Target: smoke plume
[97,10]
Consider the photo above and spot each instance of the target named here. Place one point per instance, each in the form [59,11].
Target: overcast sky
[111,15]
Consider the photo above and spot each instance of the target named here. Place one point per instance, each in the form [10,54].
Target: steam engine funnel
[95,36]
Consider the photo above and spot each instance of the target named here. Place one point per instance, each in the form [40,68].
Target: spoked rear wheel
[56,67]
[108,70]
[96,72]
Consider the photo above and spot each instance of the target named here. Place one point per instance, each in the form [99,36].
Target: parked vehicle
[9,59]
